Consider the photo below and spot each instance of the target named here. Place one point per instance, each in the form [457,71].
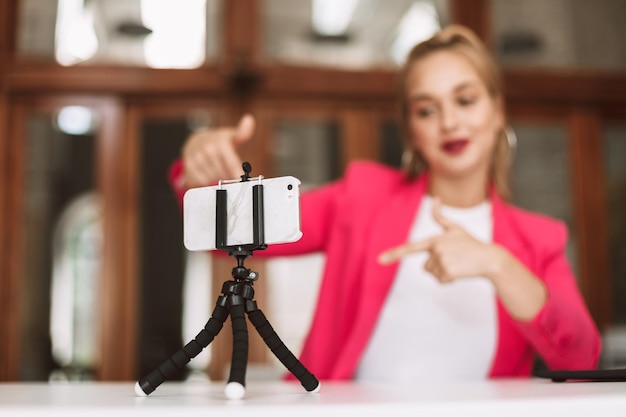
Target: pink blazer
[371,209]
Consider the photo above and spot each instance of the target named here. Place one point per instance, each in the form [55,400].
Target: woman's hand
[453,254]
[210,155]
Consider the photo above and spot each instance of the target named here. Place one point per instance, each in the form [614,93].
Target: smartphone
[281,202]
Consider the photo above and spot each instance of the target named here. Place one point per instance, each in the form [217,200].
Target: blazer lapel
[390,228]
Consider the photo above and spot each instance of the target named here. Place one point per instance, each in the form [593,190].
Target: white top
[432,331]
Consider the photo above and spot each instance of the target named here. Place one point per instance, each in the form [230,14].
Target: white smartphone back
[281,197]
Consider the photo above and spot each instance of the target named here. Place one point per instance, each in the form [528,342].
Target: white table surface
[509,398]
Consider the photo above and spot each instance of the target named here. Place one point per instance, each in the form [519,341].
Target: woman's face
[452,118]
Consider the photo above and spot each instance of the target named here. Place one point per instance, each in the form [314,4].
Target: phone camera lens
[290,187]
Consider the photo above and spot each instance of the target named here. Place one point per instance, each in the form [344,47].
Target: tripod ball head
[242,273]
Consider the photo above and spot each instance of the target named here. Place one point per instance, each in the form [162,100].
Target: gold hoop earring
[413,162]
[407,158]
[511,141]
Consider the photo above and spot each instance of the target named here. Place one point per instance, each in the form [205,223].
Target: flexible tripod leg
[178,360]
[235,389]
[284,355]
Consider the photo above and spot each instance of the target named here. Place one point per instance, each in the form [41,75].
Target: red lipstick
[454,146]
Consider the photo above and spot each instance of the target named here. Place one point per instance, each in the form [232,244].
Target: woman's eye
[425,111]
[467,101]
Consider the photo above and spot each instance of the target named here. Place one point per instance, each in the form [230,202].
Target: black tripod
[236,300]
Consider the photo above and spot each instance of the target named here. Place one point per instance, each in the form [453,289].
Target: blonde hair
[463,41]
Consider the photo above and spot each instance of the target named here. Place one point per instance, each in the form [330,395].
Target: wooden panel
[328,83]
[361,136]
[565,87]
[590,213]
[8,297]
[117,158]
[46,78]
[11,243]
[5,289]
[8,17]
[473,14]
[241,61]
[537,112]
[532,86]
[242,19]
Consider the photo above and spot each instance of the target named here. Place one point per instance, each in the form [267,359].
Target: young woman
[430,273]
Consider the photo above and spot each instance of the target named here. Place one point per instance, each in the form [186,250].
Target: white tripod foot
[234,391]
[139,391]
[317,389]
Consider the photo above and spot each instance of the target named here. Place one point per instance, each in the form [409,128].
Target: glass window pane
[614,143]
[541,175]
[560,33]
[614,146]
[62,237]
[145,33]
[391,144]
[308,150]
[347,34]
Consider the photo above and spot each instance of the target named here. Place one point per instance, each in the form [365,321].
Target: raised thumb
[245,129]
[439,217]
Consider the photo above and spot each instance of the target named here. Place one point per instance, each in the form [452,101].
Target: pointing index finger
[398,252]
